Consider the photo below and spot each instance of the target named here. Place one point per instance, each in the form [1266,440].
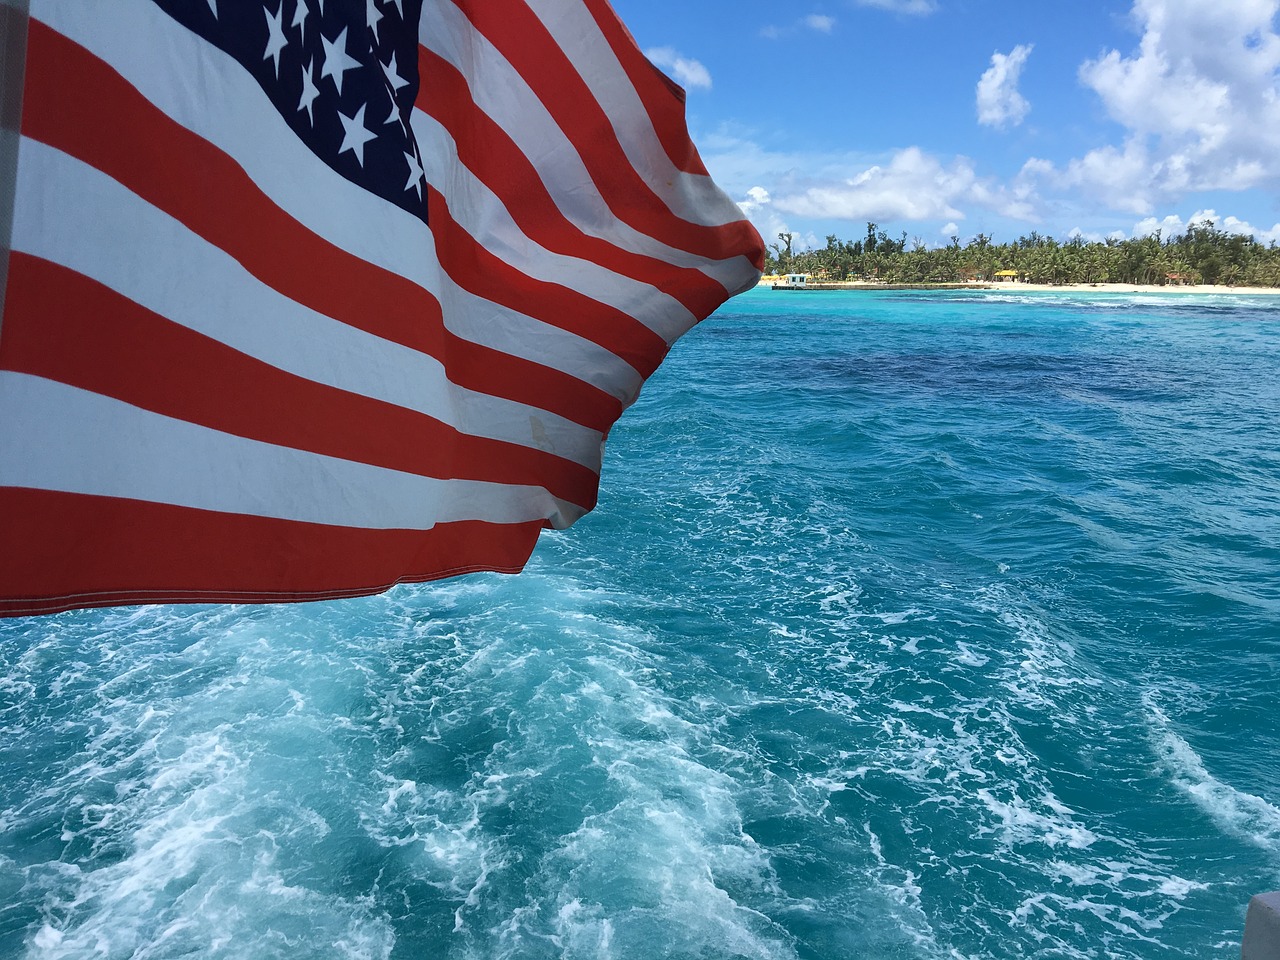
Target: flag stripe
[109,448]
[662,98]
[525,42]
[486,151]
[69,213]
[479,271]
[83,107]
[54,557]
[63,324]
[487,221]
[579,35]
[603,193]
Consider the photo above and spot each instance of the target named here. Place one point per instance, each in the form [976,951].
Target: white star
[394,115]
[355,135]
[415,174]
[374,15]
[393,77]
[336,61]
[309,92]
[213,5]
[300,13]
[276,40]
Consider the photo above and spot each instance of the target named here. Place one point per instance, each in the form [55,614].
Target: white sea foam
[1243,815]
[1049,665]
[968,657]
[193,880]
[1021,823]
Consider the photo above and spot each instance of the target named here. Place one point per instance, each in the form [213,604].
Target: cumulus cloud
[1122,179]
[912,186]
[687,72]
[912,7]
[999,101]
[1173,225]
[758,208]
[820,22]
[1200,102]
[905,185]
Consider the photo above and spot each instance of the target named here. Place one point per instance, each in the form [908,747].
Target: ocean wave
[1243,815]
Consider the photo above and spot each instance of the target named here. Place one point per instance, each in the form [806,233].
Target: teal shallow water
[918,626]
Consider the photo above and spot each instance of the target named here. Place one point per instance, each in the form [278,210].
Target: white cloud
[1173,225]
[908,184]
[758,208]
[1075,233]
[950,229]
[1167,227]
[1199,99]
[912,186]
[999,102]
[689,73]
[913,7]
[1121,179]
[820,22]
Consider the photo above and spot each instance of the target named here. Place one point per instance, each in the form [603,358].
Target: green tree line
[1203,254]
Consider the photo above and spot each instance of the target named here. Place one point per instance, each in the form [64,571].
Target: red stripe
[66,327]
[521,38]
[490,154]
[78,104]
[63,551]
[476,269]
[663,99]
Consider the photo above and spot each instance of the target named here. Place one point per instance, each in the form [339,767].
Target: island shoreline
[1034,288]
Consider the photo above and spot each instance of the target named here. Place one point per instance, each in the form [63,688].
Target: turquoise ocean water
[909,626]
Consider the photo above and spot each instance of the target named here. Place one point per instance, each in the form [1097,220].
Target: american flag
[307,298]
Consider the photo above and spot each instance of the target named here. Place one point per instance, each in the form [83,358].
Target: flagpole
[13,58]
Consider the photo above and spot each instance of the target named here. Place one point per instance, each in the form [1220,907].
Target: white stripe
[230,111]
[502,93]
[693,197]
[482,214]
[69,213]
[65,439]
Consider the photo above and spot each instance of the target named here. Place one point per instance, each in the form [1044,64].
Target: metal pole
[1262,928]
[13,61]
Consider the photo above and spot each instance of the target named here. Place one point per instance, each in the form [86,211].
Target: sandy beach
[1133,288]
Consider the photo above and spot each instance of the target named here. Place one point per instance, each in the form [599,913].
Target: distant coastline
[1203,259]
[1040,288]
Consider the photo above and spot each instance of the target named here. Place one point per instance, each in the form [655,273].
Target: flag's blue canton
[342,73]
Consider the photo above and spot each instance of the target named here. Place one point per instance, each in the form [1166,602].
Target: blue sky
[981,116]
